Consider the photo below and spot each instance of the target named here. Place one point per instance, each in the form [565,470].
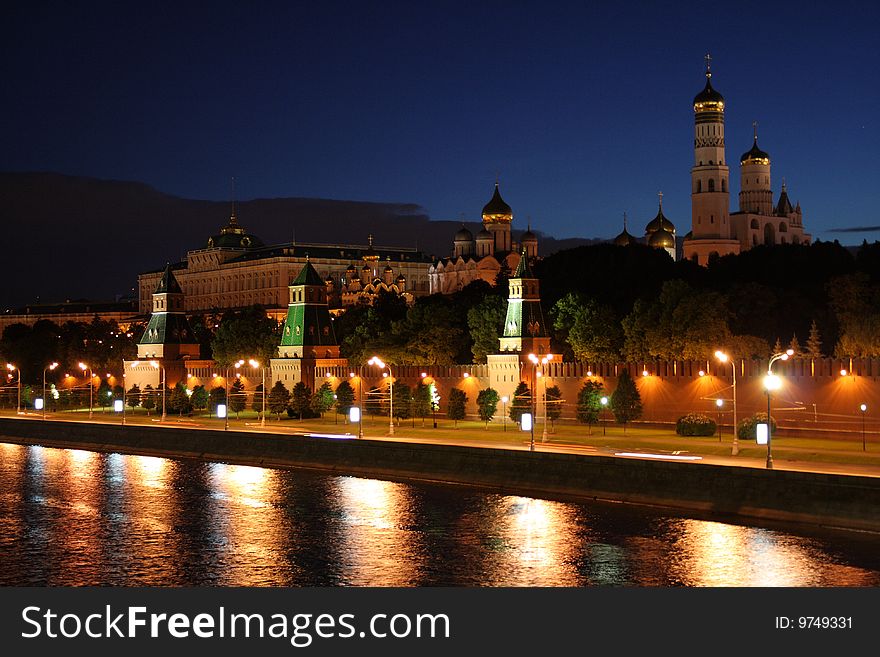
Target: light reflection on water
[70,517]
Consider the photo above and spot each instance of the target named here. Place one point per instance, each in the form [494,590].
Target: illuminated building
[715,231]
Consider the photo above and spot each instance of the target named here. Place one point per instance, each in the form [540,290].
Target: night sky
[583,110]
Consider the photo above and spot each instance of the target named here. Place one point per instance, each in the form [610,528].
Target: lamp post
[724,358]
[361,400]
[87,368]
[51,366]
[719,403]
[13,368]
[604,402]
[504,413]
[375,360]
[543,361]
[156,365]
[773,382]
[863,408]
[253,363]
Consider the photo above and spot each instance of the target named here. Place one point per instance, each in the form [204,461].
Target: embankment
[778,495]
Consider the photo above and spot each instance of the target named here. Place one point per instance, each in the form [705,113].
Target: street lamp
[375,360]
[719,403]
[863,408]
[255,365]
[771,382]
[724,358]
[543,361]
[164,386]
[13,368]
[604,402]
[88,368]
[52,366]
[504,413]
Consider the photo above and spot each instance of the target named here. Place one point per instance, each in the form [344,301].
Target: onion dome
[370,254]
[708,99]
[388,269]
[755,155]
[233,236]
[401,279]
[529,236]
[662,239]
[496,209]
[660,222]
[329,280]
[351,268]
[464,235]
[624,239]
[485,235]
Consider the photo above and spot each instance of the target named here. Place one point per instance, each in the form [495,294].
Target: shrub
[746,430]
[695,424]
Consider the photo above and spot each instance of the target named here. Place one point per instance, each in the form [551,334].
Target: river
[73,518]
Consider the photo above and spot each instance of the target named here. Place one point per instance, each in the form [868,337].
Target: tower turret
[497,217]
[524,328]
[755,195]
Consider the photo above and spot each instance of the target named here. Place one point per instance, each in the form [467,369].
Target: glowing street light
[51,366]
[604,402]
[724,358]
[164,385]
[771,383]
[864,409]
[85,368]
[253,363]
[504,413]
[543,361]
[13,368]
[375,360]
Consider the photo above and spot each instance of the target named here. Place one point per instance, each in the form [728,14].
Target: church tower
[308,331]
[710,199]
[497,217]
[524,328]
[755,196]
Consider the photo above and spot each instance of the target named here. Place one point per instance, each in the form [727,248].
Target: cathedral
[715,231]
[483,257]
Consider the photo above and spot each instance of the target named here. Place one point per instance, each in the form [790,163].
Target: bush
[746,430]
[695,424]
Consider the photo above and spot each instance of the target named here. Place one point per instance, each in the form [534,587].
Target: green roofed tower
[308,329]
[168,334]
[524,328]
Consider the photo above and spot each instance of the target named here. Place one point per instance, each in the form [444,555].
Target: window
[699,186]
[723,185]
[711,184]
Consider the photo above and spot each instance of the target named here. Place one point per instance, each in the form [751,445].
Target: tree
[402,401]
[300,400]
[777,347]
[150,395]
[456,407]
[257,403]
[216,397]
[485,321]
[244,334]
[795,346]
[589,404]
[344,398]
[626,402]
[814,342]
[322,400]
[179,401]
[591,332]
[103,394]
[432,334]
[521,402]
[422,401]
[487,404]
[199,398]
[118,392]
[279,399]
[553,402]
[133,398]
[237,398]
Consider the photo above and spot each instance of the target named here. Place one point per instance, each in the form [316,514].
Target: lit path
[614,446]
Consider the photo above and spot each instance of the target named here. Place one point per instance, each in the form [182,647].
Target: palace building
[482,257]
[236,270]
[715,231]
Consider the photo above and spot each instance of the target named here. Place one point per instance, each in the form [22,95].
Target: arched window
[723,185]
[755,224]
[711,218]
[711,184]
[782,227]
[699,186]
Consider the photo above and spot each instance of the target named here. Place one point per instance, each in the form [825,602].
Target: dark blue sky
[584,109]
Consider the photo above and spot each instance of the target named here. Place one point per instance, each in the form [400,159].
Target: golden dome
[662,239]
[496,210]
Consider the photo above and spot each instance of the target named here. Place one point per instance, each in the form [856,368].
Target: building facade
[236,270]
[715,231]
[485,256]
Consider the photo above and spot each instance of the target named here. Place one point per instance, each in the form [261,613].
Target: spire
[755,130]
[783,184]
[660,196]
[232,219]
[708,59]
[522,269]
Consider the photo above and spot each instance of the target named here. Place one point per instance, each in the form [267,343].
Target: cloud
[855,229]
